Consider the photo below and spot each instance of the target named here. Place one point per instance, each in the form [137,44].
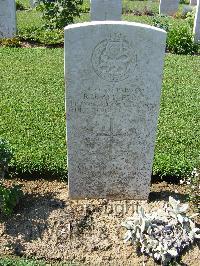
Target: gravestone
[33,3]
[186,9]
[193,2]
[105,10]
[113,73]
[197,23]
[8,26]
[168,7]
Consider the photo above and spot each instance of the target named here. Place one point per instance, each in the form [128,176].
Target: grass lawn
[28,18]
[20,262]
[178,140]
[17,261]
[32,101]
[33,112]
[32,107]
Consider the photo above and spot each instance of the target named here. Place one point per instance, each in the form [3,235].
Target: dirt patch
[49,225]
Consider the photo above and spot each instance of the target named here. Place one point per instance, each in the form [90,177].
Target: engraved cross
[111,136]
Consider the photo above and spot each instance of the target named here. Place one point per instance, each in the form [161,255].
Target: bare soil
[48,225]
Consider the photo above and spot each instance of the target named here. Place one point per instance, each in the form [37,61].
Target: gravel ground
[48,225]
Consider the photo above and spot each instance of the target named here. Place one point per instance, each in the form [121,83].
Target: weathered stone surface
[168,7]
[186,9]
[33,3]
[8,24]
[105,10]
[193,2]
[197,23]
[113,73]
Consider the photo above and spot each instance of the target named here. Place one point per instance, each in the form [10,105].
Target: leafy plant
[19,5]
[85,7]
[5,156]
[9,198]
[60,13]
[10,42]
[162,234]
[183,2]
[145,11]
[190,18]
[43,36]
[180,41]
[161,22]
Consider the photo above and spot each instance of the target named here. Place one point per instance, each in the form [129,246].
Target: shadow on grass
[35,175]
[164,195]
[167,179]
[63,175]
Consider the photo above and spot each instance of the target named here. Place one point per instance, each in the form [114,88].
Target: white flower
[164,233]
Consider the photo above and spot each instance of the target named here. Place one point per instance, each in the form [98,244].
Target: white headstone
[186,9]
[113,73]
[193,2]
[8,26]
[168,7]
[33,3]
[197,23]
[105,10]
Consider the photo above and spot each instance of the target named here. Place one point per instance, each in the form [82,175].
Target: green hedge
[33,113]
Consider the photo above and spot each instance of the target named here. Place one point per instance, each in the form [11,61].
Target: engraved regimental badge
[114,58]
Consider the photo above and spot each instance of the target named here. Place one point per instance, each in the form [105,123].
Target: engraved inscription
[108,99]
[112,103]
[113,58]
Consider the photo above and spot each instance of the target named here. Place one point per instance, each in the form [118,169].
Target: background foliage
[31,22]
[60,13]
